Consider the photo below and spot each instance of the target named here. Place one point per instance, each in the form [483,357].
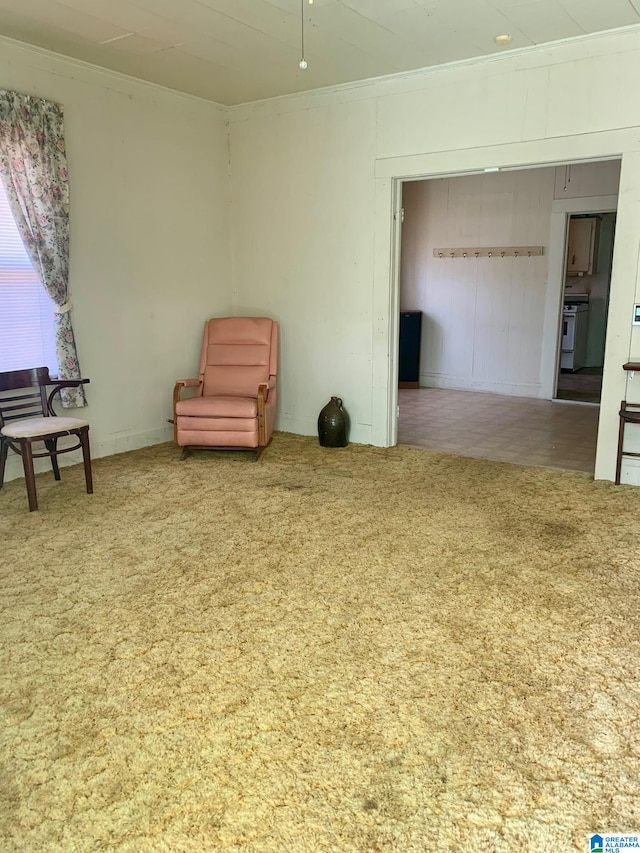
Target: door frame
[621,340]
[561,210]
[394,307]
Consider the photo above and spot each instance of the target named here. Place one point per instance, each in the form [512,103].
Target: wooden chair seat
[35,428]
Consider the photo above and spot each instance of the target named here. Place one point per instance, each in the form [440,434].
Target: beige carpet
[329,650]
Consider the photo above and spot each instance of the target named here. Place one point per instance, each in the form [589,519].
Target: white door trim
[561,209]
[386,310]
[625,279]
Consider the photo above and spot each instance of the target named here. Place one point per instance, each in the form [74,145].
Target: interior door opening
[585,306]
[491,323]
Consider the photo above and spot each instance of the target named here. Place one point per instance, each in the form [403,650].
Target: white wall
[150,256]
[587,180]
[303,222]
[309,171]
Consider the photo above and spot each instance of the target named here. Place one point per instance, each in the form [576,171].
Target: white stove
[575,321]
[571,298]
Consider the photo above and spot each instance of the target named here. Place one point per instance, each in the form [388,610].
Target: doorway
[588,265]
[493,327]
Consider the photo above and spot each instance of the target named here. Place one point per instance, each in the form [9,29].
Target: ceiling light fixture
[303,62]
[503,40]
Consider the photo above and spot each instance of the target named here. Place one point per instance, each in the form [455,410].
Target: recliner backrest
[238,353]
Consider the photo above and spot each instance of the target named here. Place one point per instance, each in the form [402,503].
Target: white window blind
[26,310]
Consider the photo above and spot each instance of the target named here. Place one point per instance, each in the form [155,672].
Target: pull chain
[303,62]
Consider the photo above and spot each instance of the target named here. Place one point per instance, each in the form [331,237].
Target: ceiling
[234,51]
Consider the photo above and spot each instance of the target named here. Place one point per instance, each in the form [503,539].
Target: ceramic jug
[332,424]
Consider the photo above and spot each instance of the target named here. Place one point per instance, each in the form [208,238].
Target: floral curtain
[33,169]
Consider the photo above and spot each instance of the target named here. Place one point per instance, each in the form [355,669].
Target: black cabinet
[409,361]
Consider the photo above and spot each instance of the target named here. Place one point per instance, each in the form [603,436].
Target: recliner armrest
[180,384]
[177,389]
[267,386]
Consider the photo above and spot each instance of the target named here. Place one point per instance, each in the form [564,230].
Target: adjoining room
[476,279]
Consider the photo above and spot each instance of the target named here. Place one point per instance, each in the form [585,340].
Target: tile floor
[584,386]
[505,429]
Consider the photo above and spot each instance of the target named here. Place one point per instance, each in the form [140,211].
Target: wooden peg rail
[490,252]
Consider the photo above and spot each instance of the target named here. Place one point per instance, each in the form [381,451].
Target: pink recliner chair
[234,407]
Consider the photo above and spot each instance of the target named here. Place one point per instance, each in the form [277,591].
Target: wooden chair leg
[51,445]
[619,457]
[29,476]
[4,449]
[623,406]
[86,458]
[186,452]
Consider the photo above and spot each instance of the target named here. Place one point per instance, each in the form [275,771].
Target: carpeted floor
[329,650]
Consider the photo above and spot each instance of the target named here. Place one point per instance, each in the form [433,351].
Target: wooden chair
[629,414]
[28,416]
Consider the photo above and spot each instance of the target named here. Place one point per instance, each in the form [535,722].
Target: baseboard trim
[99,448]
[457,383]
[358,433]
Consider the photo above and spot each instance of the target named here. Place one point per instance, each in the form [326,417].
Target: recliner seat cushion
[218,407]
[218,438]
[216,424]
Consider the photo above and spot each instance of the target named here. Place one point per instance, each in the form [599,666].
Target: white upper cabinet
[583,241]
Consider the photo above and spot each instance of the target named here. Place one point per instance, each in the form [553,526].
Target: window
[26,310]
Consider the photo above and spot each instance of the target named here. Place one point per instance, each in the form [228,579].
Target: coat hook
[516,253]
[489,254]
[528,254]
[452,255]
[477,254]
[439,254]
[464,254]
[502,254]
